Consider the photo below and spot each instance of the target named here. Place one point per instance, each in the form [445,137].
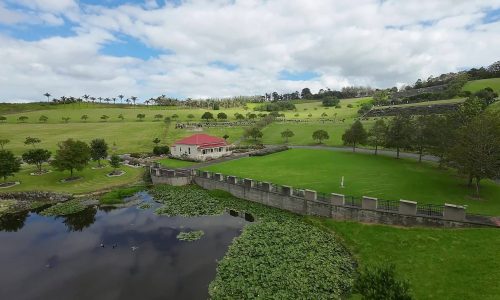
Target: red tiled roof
[202,140]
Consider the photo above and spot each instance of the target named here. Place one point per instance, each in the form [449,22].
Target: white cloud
[363,42]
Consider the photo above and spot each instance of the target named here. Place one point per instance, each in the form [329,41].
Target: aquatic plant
[279,257]
[64,208]
[186,202]
[190,235]
[144,206]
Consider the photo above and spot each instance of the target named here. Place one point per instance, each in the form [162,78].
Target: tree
[221,116]
[399,133]
[306,93]
[422,136]
[487,96]
[158,117]
[356,134]
[121,117]
[207,116]
[239,116]
[141,116]
[65,119]
[32,141]
[37,157]
[9,164]
[477,148]
[320,135]
[190,116]
[381,97]
[255,133]
[252,116]
[3,119]
[3,142]
[287,134]
[104,118]
[330,101]
[380,283]
[225,137]
[115,161]
[43,119]
[156,141]
[98,150]
[175,117]
[84,118]
[48,96]
[324,115]
[22,119]
[376,135]
[71,155]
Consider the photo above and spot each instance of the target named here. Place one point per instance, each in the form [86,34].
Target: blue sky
[225,48]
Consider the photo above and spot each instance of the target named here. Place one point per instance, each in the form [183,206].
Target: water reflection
[13,222]
[62,258]
[80,221]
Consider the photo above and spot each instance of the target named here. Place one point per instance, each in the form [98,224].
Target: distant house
[200,147]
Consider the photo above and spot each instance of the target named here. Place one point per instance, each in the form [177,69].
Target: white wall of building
[192,152]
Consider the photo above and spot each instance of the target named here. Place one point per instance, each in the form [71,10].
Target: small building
[200,147]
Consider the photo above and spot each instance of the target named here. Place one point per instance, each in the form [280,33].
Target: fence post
[453,212]
[231,179]
[369,203]
[310,195]
[248,183]
[287,190]
[407,207]
[337,199]
[266,186]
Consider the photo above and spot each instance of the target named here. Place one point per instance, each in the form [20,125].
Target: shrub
[267,151]
[159,150]
[381,283]
[349,105]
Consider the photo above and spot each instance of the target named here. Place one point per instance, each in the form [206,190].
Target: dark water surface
[62,258]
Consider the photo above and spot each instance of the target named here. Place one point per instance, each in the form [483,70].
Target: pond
[126,253]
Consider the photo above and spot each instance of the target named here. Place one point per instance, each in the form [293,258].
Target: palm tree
[147,101]
[121,97]
[128,101]
[92,99]
[107,100]
[114,100]
[48,96]
[86,97]
[133,98]
[100,99]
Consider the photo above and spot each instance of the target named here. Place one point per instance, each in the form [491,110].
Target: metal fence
[387,205]
[352,201]
[430,210]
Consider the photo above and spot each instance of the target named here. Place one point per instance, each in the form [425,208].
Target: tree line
[468,139]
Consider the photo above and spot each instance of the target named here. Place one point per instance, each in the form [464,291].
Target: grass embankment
[64,208]
[91,180]
[476,85]
[439,263]
[280,256]
[364,175]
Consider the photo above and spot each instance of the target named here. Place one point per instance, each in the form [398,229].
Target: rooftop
[202,140]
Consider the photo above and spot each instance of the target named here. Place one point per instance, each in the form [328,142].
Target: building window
[189,150]
[220,149]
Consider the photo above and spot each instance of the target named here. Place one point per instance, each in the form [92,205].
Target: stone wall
[36,196]
[334,207]
[367,210]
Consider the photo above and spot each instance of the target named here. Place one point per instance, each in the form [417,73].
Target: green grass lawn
[92,180]
[365,175]
[175,163]
[439,263]
[303,132]
[476,85]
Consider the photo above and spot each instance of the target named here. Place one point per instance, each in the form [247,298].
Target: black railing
[430,210]
[387,205]
[352,201]
[323,197]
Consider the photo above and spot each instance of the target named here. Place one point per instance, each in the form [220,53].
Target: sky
[225,48]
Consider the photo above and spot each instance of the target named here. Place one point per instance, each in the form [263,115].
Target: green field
[439,263]
[476,85]
[365,175]
[92,180]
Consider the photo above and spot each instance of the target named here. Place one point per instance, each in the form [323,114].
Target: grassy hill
[476,85]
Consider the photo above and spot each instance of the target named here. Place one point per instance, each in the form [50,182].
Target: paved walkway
[384,152]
